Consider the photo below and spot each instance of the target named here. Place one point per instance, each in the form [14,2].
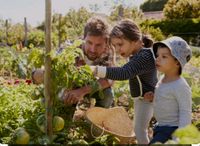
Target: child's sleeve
[185,105]
[141,64]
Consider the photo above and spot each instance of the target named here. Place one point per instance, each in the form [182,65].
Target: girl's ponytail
[147,40]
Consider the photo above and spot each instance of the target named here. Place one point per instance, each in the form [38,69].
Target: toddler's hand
[149,96]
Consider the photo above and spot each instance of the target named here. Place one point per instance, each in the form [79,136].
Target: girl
[140,70]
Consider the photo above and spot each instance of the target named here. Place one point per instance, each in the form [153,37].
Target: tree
[153,5]
[94,7]
[59,27]
[4,28]
[120,12]
[16,34]
[75,22]
[179,9]
[36,38]
[69,26]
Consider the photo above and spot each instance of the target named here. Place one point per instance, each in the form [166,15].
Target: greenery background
[21,104]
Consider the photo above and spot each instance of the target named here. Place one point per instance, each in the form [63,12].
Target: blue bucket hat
[178,47]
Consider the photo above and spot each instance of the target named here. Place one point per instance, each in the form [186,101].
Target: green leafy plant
[186,135]
[17,109]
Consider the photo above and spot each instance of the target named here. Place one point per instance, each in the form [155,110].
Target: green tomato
[22,136]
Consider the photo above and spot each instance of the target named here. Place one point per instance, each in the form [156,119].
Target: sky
[34,10]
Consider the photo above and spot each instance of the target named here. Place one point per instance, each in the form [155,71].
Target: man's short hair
[96,26]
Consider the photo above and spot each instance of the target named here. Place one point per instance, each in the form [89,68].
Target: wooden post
[59,30]
[120,12]
[25,32]
[47,74]
[6,25]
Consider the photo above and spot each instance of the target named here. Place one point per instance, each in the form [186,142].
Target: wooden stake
[59,30]
[6,25]
[26,31]
[47,74]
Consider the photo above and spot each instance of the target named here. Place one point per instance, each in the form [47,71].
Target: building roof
[154,15]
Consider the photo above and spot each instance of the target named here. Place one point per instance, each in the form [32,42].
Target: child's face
[124,47]
[165,62]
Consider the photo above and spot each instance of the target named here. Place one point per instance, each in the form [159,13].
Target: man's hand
[149,96]
[38,76]
[73,96]
[105,83]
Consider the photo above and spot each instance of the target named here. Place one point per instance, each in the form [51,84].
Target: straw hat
[113,121]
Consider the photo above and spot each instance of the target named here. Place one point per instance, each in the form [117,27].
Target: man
[97,51]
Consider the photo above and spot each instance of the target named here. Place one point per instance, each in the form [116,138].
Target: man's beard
[91,57]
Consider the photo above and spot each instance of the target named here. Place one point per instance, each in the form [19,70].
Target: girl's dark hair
[148,42]
[128,30]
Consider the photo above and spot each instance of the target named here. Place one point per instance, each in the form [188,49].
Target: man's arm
[76,95]
[38,76]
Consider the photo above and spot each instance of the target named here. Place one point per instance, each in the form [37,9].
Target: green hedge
[186,28]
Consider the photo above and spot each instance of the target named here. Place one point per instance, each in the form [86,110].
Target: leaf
[188,134]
